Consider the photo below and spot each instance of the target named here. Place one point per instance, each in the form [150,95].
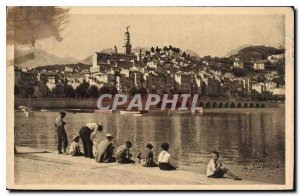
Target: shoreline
[36,167]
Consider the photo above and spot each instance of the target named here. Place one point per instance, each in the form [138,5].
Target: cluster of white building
[166,72]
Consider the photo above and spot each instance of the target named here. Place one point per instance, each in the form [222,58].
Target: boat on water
[22,108]
[200,110]
[43,110]
[103,111]
[80,111]
[130,112]
[29,113]
[137,115]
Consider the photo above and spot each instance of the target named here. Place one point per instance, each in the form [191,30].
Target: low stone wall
[57,103]
[91,103]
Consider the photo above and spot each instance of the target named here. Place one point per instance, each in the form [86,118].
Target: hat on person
[62,113]
[100,126]
[109,135]
[75,137]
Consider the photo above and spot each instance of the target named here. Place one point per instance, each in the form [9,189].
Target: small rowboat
[80,111]
[130,112]
[103,111]
[29,113]
[43,110]
[22,108]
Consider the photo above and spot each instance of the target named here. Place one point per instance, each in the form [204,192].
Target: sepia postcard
[150,98]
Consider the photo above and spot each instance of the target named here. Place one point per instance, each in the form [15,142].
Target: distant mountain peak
[36,57]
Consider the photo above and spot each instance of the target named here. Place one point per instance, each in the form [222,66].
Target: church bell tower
[127,45]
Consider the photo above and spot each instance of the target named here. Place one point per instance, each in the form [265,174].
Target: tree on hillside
[83,89]
[113,90]
[133,91]
[238,72]
[108,90]
[142,91]
[157,50]
[152,49]
[177,50]
[29,91]
[184,54]
[104,90]
[17,90]
[69,91]
[94,92]
[56,91]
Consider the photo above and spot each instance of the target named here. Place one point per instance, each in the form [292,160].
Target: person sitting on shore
[149,161]
[74,147]
[87,134]
[61,133]
[123,155]
[164,158]
[216,169]
[105,150]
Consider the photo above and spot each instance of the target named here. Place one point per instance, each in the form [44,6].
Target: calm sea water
[251,141]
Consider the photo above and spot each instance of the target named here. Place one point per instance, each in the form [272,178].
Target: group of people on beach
[105,150]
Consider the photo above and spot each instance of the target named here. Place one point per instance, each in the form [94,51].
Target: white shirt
[92,126]
[59,121]
[164,157]
[211,167]
[74,148]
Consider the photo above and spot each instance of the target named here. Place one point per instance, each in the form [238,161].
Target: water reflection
[241,137]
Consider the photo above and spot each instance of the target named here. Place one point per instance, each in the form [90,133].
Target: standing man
[61,133]
[87,134]
[105,150]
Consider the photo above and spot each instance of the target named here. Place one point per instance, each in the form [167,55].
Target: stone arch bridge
[232,104]
[222,104]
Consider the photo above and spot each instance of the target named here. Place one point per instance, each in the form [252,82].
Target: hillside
[236,50]
[256,53]
[192,53]
[37,57]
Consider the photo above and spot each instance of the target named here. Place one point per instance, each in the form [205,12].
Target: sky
[205,32]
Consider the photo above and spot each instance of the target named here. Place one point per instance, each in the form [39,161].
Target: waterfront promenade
[35,167]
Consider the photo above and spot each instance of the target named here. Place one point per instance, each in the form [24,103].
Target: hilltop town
[254,73]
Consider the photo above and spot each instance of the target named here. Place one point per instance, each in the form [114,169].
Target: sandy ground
[32,167]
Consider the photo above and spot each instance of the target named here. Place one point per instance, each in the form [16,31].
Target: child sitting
[149,161]
[123,155]
[164,158]
[216,169]
[74,147]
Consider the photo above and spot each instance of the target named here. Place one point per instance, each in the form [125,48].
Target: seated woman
[216,169]
[149,161]
[164,158]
